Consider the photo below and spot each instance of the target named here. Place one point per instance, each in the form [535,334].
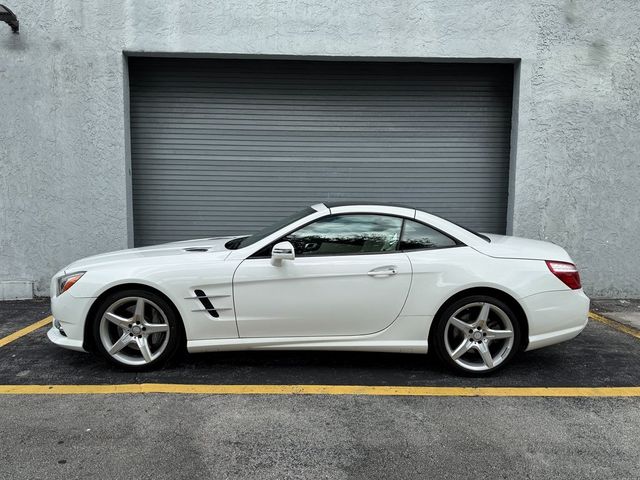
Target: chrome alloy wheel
[479,336]
[134,331]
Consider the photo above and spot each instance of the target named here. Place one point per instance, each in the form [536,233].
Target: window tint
[417,236]
[347,234]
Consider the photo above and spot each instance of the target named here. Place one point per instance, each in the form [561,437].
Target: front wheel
[136,330]
[476,335]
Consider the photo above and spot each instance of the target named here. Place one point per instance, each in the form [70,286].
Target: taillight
[567,272]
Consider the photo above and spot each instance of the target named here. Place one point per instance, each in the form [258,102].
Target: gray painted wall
[63,163]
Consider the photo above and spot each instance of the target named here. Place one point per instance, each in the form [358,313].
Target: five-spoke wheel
[136,329]
[476,334]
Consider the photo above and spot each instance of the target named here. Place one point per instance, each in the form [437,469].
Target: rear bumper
[555,317]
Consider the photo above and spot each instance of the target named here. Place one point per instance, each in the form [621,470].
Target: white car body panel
[503,246]
[440,274]
[405,335]
[174,272]
[555,316]
[318,296]
[327,302]
[214,245]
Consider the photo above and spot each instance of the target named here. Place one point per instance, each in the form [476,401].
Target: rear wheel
[477,335]
[136,330]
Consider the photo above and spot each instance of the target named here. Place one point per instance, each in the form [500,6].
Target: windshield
[265,232]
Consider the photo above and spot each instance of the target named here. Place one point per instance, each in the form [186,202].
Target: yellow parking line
[621,327]
[24,331]
[321,390]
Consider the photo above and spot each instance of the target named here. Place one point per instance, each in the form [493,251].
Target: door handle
[383,271]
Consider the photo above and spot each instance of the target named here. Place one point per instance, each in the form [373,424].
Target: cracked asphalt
[298,436]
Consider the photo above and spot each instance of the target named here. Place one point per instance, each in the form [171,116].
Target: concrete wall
[63,172]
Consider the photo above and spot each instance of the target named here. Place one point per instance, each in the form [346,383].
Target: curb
[621,327]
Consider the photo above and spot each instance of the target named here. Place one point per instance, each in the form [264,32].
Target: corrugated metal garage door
[228,146]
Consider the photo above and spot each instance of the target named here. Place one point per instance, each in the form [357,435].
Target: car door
[347,278]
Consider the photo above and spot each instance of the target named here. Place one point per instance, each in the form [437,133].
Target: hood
[188,247]
[503,246]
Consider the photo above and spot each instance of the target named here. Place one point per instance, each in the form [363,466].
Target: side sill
[303,343]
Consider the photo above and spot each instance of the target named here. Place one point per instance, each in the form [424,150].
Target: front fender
[177,283]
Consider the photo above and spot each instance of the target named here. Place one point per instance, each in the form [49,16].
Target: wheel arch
[518,310]
[88,342]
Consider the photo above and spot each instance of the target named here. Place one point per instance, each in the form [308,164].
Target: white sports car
[331,277]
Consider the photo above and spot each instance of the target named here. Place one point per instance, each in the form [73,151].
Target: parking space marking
[320,390]
[621,327]
[25,331]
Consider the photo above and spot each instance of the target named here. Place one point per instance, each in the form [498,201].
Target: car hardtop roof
[354,204]
[330,205]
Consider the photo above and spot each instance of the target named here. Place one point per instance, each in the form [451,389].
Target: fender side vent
[206,303]
[196,249]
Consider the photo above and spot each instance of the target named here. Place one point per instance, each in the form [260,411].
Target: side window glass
[417,236]
[347,234]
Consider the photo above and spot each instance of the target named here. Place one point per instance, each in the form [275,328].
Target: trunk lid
[503,246]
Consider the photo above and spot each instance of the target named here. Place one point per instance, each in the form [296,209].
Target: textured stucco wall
[63,173]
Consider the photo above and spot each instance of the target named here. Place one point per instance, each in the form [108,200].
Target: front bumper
[70,314]
[56,337]
[556,316]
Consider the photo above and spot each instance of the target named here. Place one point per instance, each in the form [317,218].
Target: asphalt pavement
[317,436]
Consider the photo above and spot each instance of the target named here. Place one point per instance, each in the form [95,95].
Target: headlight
[67,281]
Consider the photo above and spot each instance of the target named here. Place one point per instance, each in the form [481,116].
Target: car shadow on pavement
[600,356]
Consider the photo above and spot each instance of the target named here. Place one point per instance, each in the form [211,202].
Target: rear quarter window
[418,236]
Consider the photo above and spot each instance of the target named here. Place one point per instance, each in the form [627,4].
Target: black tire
[175,331]
[441,330]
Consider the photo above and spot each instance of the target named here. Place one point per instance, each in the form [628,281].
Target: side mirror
[282,251]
